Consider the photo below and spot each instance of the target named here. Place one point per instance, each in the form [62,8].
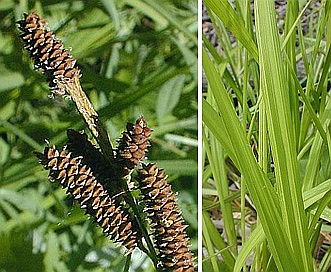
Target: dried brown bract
[80,182]
[47,52]
[167,223]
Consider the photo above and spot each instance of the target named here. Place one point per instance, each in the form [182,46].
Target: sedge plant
[266,137]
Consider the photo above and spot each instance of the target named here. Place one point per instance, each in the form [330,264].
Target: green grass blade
[313,164]
[282,141]
[234,22]
[231,136]
[208,242]
[216,240]
[255,239]
[216,157]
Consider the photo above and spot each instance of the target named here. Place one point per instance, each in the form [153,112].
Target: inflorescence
[79,180]
[47,52]
[94,180]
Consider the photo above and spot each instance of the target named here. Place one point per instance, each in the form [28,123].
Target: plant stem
[91,118]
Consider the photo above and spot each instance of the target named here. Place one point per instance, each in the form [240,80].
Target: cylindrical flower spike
[132,146]
[62,72]
[47,52]
[108,175]
[167,223]
[80,182]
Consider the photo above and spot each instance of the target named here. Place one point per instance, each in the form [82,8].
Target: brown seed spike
[47,52]
[132,145]
[79,144]
[80,182]
[167,223]
[62,73]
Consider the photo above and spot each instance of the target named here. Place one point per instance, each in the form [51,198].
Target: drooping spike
[80,182]
[167,224]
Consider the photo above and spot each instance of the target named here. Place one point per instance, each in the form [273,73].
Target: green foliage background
[137,58]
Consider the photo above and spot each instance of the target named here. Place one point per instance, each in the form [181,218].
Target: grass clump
[266,137]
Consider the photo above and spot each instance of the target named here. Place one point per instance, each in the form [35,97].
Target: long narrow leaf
[231,136]
[227,15]
[282,141]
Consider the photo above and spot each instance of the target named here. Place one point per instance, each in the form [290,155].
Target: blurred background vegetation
[137,58]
